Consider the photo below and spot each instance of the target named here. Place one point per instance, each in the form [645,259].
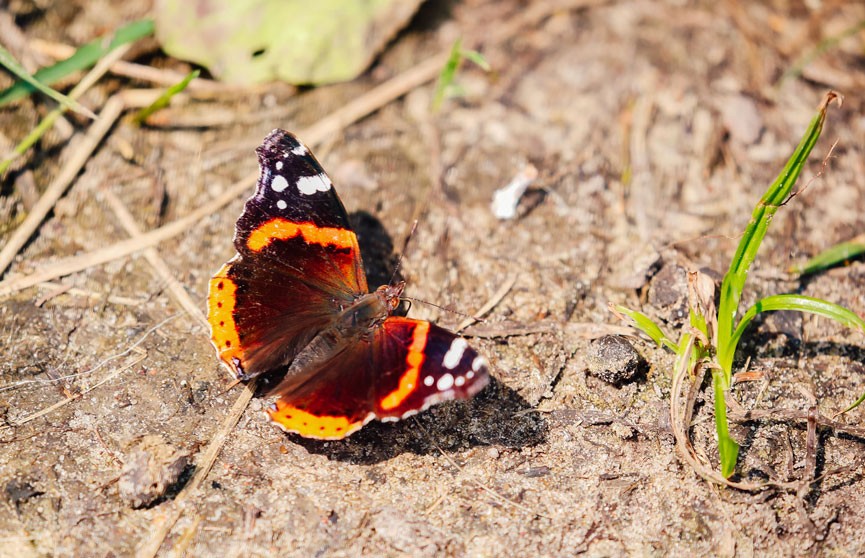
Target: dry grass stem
[80,154]
[161,269]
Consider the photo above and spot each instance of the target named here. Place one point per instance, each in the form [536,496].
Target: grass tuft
[711,339]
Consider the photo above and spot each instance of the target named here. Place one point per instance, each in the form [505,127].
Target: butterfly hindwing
[331,400]
[398,369]
[419,364]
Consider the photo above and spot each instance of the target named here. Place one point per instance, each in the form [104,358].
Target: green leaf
[85,57]
[298,42]
[799,303]
[728,449]
[9,62]
[649,327]
[831,257]
[165,98]
[698,322]
[807,304]
[775,196]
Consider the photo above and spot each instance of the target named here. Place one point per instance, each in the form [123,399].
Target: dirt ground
[655,127]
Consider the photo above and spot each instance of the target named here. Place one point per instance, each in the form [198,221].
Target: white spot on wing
[460,380]
[281,204]
[279,165]
[455,353]
[300,150]
[428,381]
[478,363]
[308,185]
[445,382]
[279,183]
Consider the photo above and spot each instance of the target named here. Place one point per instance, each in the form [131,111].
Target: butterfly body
[295,298]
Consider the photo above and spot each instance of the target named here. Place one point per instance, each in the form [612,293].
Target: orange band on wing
[220,315]
[306,424]
[414,359]
[281,229]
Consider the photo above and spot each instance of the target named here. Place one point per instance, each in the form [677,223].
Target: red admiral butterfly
[296,296]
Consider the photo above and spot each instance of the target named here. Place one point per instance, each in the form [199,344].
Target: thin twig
[501,330]
[58,289]
[809,474]
[126,247]
[140,72]
[490,304]
[783,415]
[370,102]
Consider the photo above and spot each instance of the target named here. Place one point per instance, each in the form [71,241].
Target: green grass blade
[854,405]
[728,449]
[821,48]
[831,257]
[775,196]
[807,304]
[447,75]
[8,61]
[445,87]
[165,98]
[85,57]
[478,59]
[649,327]
[799,303]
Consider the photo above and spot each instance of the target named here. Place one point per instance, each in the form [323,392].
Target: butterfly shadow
[498,416]
[376,247]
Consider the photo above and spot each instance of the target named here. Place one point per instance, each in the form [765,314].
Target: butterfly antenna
[402,252]
[448,310]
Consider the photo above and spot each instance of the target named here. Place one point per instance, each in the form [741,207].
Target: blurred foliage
[290,40]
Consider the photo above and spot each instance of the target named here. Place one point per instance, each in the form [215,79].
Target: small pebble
[613,359]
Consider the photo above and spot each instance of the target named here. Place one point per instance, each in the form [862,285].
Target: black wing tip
[278,143]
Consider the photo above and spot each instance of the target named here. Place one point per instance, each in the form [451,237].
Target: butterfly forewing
[298,263]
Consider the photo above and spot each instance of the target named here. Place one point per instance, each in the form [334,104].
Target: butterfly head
[391,294]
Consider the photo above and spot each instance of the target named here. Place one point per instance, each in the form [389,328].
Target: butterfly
[295,298]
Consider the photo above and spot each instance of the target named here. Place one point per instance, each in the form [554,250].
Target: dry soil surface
[655,127]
